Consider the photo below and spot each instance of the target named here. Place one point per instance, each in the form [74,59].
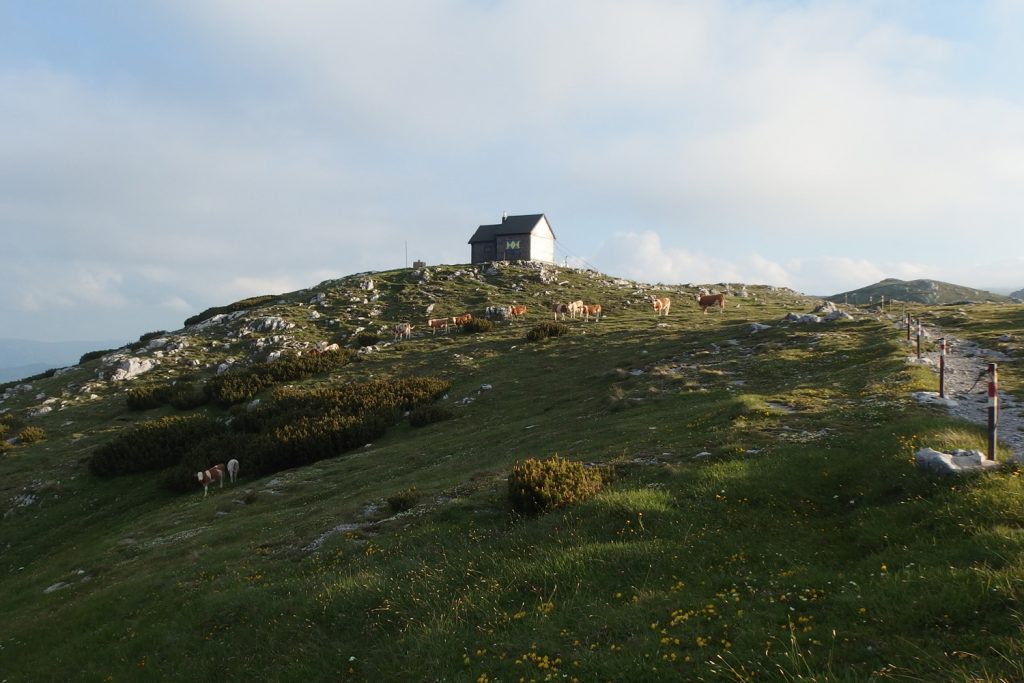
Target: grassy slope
[805,544]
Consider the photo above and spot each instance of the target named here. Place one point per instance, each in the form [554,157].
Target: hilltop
[759,513]
[921,291]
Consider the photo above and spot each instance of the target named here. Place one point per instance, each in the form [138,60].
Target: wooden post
[993,409]
[942,368]
[919,340]
[908,325]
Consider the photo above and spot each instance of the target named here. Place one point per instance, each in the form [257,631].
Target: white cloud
[642,256]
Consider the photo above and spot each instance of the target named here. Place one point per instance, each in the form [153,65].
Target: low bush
[152,445]
[421,416]
[545,330]
[145,339]
[251,302]
[477,325]
[301,426]
[187,395]
[6,426]
[367,339]
[536,486]
[93,355]
[31,434]
[146,398]
[236,386]
[403,500]
[5,447]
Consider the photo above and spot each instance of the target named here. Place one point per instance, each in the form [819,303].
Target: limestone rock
[130,368]
[958,462]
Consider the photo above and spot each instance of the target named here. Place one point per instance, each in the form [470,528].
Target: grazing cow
[436,324]
[233,470]
[402,331]
[207,477]
[592,310]
[707,300]
[559,310]
[661,305]
[461,320]
[575,308]
[517,311]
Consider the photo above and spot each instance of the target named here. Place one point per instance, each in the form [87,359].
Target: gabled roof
[512,225]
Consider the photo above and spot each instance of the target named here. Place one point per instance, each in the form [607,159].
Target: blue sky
[158,158]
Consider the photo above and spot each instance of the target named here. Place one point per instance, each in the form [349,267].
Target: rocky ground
[966,385]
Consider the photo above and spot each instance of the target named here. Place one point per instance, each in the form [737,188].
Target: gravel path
[966,362]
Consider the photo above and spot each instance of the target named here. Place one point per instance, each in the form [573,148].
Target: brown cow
[517,311]
[661,305]
[436,324]
[592,310]
[207,477]
[461,320]
[707,300]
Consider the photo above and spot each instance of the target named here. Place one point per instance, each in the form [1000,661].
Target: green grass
[765,520]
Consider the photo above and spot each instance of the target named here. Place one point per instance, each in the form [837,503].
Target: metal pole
[993,409]
[908,325]
[942,368]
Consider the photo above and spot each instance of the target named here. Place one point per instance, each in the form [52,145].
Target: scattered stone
[958,462]
[270,323]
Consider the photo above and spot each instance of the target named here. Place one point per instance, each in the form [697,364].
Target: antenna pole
[407,253]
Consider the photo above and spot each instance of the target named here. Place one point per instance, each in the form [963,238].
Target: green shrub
[146,398]
[144,339]
[301,426]
[421,416]
[236,386]
[5,447]
[539,485]
[31,435]
[152,445]
[403,500]
[477,325]
[93,355]
[545,330]
[187,395]
[367,339]
[251,302]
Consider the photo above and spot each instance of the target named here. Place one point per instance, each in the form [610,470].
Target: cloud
[642,256]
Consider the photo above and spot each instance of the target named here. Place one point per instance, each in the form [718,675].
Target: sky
[158,158]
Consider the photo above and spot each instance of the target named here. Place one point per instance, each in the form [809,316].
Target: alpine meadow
[631,495]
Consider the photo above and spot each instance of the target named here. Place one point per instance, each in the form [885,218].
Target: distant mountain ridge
[25,357]
[921,291]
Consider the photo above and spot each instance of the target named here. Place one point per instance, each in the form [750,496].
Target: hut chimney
[504,216]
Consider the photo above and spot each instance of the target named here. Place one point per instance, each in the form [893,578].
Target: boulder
[130,368]
[958,462]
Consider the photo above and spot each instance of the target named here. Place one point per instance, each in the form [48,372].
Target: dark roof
[513,225]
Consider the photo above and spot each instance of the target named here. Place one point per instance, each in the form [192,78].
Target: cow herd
[573,310]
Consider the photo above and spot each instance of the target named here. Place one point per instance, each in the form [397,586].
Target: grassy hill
[919,291]
[761,517]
